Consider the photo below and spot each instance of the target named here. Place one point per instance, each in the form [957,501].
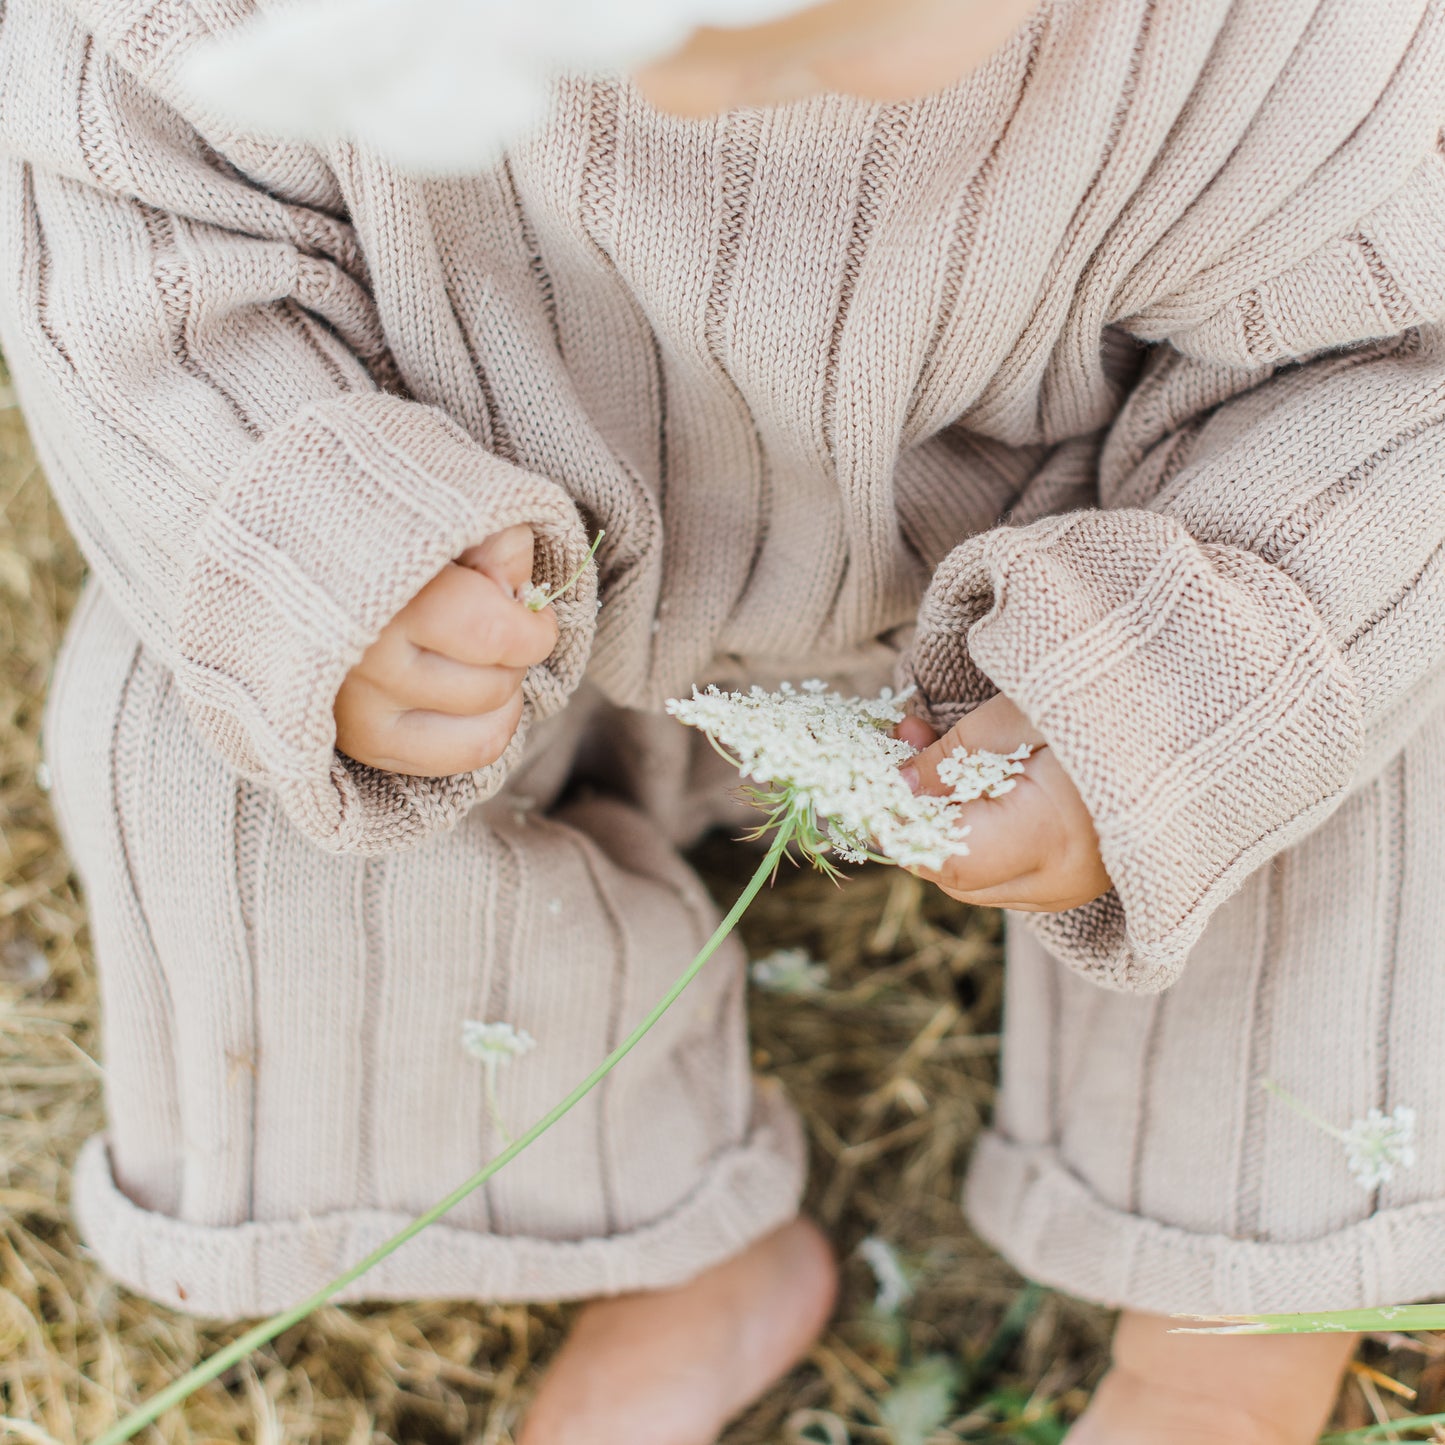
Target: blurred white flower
[790,970]
[439,87]
[830,765]
[495,1043]
[1379,1144]
[1375,1146]
[895,1288]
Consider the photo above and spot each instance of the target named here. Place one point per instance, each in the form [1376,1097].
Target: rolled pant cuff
[1051,1227]
[261,1268]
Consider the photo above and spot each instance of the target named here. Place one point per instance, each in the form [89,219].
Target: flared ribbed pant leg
[1137,1156]
[286,1081]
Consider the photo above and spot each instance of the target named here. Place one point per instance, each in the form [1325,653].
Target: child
[1159,282]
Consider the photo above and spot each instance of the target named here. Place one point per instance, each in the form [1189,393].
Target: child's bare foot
[1213,1389]
[671,1368]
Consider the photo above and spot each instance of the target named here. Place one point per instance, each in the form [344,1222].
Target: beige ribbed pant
[285,1078]
[1136,1157]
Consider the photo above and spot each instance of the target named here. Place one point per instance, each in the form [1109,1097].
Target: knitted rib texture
[1111,377]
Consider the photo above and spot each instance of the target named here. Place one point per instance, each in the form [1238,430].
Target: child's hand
[1033,849]
[440,691]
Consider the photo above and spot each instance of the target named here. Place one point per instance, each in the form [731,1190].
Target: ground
[892,1064]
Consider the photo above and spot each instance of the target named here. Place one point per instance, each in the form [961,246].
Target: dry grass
[892,1067]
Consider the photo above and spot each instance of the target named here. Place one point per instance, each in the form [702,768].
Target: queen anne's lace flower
[1375,1146]
[437,86]
[1379,1144]
[495,1043]
[829,764]
[983,775]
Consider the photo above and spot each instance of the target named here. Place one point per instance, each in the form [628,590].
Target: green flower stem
[1403,1318]
[546,597]
[1303,1110]
[267,1330]
[1386,1430]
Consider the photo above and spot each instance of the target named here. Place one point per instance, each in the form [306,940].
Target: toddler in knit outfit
[1082,358]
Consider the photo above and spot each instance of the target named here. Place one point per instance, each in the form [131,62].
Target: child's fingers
[505,556]
[427,744]
[468,617]
[916,733]
[1003,843]
[433,683]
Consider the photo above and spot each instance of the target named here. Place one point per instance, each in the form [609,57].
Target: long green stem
[1391,1318]
[1302,1109]
[1386,1430]
[267,1330]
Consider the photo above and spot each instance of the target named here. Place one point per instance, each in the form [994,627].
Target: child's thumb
[995,726]
[920,772]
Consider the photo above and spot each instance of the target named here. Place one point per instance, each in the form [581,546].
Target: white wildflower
[983,775]
[1375,1146]
[436,86]
[495,1045]
[895,1287]
[495,1042]
[535,598]
[1379,1144]
[829,765]
[790,970]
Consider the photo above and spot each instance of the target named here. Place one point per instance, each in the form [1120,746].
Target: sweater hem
[257,1268]
[1048,1223]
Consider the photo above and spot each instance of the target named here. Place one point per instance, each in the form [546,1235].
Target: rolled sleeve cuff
[1189,691]
[332,525]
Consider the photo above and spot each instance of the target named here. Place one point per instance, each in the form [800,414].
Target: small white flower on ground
[495,1043]
[895,1288]
[1379,1144]
[790,970]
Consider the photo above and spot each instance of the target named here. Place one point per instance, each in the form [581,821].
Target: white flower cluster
[829,764]
[791,971]
[982,775]
[495,1044]
[439,87]
[1379,1144]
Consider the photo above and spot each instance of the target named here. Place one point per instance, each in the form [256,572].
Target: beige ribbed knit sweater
[1121,358]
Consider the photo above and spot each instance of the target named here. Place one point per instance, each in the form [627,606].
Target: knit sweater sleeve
[205,376]
[1253,620]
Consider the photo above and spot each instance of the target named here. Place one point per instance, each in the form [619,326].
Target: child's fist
[440,691]
[1034,848]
